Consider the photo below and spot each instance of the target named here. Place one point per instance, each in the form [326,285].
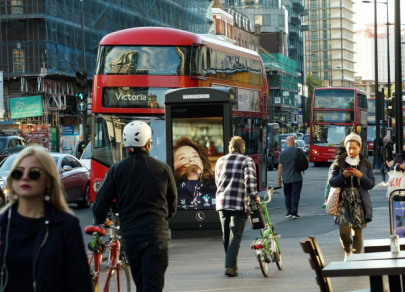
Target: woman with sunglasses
[41,241]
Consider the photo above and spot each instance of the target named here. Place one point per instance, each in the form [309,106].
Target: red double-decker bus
[135,67]
[335,113]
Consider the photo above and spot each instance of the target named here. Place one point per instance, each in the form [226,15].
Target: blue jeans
[383,171]
[233,224]
[292,193]
[148,261]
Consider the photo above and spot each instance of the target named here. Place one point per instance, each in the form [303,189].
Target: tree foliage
[312,82]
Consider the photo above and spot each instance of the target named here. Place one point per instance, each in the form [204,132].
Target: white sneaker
[346,255]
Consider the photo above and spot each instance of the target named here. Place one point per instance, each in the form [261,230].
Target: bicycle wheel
[124,280]
[279,259]
[264,266]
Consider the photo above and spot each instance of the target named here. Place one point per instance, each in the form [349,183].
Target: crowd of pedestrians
[37,220]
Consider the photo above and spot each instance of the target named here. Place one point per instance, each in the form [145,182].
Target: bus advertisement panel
[135,67]
[335,113]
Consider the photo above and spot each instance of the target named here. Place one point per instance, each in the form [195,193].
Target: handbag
[256,217]
[333,201]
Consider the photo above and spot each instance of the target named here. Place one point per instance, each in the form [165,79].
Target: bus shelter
[198,129]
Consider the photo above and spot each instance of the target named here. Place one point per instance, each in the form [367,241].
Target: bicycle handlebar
[270,193]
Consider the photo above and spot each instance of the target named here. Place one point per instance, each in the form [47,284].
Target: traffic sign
[81,106]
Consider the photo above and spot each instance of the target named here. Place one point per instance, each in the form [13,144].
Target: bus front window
[329,135]
[108,147]
[334,99]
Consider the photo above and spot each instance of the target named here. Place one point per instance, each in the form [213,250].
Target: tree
[312,82]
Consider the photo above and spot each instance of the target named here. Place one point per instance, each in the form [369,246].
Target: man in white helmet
[145,192]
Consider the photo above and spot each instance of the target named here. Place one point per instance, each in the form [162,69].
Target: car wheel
[86,198]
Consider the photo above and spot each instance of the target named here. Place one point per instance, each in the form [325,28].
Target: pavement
[197,265]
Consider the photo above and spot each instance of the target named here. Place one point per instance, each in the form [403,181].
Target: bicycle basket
[256,219]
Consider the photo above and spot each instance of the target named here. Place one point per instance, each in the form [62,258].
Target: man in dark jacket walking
[146,197]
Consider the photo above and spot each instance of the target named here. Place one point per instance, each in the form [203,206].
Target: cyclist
[146,197]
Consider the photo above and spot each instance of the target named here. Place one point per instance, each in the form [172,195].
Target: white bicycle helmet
[136,134]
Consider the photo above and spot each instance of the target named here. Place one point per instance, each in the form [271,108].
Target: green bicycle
[266,248]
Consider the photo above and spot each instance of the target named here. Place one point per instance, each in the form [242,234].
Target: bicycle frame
[269,226]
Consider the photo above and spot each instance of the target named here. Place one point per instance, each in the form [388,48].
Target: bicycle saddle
[91,229]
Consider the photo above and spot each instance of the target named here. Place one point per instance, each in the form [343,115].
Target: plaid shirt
[235,177]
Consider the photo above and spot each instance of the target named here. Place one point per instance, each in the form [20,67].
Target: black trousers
[148,261]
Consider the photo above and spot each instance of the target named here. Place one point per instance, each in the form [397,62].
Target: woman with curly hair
[194,175]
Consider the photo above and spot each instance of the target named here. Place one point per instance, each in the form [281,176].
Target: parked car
[74,176]
[284,136]
[302,146]
[306,139]
[85,159]
[284,145]
[9,151]
[11,141]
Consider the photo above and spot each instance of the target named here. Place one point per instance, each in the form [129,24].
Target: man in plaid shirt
[235,177]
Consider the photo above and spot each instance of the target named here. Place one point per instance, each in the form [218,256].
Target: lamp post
[84,121]
[398,77]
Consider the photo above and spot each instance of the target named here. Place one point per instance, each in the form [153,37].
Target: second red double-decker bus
[135,67]
[335,113]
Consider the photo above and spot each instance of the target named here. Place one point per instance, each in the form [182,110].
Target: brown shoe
[230,272]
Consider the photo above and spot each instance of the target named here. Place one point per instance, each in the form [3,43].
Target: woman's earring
[47,197]
[15,197]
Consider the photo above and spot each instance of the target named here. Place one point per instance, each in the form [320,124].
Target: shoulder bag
[333,201]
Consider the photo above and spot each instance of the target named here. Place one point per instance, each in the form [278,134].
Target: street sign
[81,106]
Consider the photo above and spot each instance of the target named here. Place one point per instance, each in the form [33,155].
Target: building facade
[41,44]
[330,52]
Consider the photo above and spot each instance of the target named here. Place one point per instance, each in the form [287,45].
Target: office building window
[325,65]
[314,65]
[313,24]
[18,60]
[16,7]
[314,56]
[325,45]
[325,13]
[281,20]
[325,75]
[313,3]
[314,45]
[325,55]
[325,34]
[314,14]
[324,24]
[315,74]
[314,35]
[259,19]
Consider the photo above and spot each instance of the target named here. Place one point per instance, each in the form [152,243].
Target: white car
[85,159]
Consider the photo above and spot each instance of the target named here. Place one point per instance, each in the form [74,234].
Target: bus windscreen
[329,135]
[334,99]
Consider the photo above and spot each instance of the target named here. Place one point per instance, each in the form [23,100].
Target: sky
[365,12]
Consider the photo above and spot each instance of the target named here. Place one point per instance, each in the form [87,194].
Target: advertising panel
[398,213]
[70,138]
[24,107]
[36,135]
[197,145]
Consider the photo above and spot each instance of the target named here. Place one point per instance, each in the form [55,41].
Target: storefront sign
[36,135]
[24,107]
[277,100]
[70,138]
[286,93]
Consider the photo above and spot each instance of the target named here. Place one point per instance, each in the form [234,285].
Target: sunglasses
[33,174]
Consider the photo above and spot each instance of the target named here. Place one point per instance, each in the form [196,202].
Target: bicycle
[116,258]
[266,247]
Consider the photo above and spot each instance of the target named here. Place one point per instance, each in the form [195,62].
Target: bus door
[198,131]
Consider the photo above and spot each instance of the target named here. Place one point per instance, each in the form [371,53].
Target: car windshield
[283,145]
[306,139]
[301,143]
[9,151]
[334,99]
[3,143]
[87,152]
[6,164]
[107,137]
[329,135]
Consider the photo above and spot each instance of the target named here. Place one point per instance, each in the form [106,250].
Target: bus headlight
[315,152]
[96,186]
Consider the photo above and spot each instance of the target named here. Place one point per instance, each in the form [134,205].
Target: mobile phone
[349,168]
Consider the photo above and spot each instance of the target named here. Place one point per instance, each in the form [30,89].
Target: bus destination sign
[133,97]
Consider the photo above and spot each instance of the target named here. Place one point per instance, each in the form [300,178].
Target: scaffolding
[44,36]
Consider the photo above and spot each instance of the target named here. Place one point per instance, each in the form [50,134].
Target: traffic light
[81,85]
[389,111]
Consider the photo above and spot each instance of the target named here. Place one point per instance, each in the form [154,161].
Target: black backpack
[301,161]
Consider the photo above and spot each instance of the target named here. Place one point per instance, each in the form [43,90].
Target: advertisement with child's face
[198,143]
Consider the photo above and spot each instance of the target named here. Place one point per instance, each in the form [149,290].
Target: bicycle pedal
[257,268]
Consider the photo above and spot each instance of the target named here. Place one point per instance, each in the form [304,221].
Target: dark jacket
[367,182]
[387,154]
[61,263]
[146,196]
[399,159]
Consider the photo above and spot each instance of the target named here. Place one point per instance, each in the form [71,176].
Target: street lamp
[377,120]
